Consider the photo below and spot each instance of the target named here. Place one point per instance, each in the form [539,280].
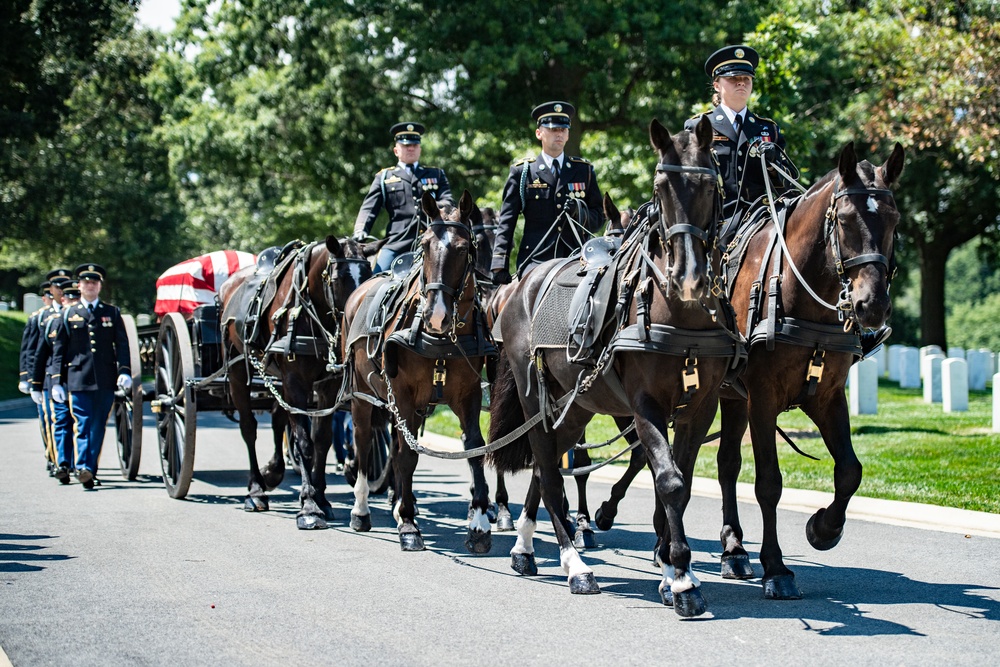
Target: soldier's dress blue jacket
[45,370]
[398,191]
[29,341]
[733,155]
[92,349]
[533,191]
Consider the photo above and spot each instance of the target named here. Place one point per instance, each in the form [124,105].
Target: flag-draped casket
[195,282]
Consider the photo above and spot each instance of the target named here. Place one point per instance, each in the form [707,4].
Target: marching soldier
[557,195]
[49,412]
[399,189]
[741,135]
[92,348]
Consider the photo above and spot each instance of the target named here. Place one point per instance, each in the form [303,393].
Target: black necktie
[738,124]
[555,168]
[90,307]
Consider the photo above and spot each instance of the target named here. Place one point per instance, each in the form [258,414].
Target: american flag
[194,282]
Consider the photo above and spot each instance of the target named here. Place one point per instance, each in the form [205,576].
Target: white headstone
[909,368]
[924,351]
[980,369]
[862,383]
[996,403]
[955,385]
[32,302]
[956,353]
[930,373]
[893,357]
[142,320]
[881,358]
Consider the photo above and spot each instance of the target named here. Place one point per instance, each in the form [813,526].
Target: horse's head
[346,268]
[484,227]
[861,220]
[448,260]
[686,192]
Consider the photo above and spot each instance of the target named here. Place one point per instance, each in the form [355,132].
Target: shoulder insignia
[578,159]
[518,163]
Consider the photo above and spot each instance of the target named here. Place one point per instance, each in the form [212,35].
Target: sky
[159,14]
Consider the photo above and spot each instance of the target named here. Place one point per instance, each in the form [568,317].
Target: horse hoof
[505,522]
[585,539]
[604,518]
[690,603]
[411,541]
[584,584]
[781,587]
[817,542]
[666,595]
[361,524]
[310,522]
[478,542]
[524,564]
[737,566]
[256,504]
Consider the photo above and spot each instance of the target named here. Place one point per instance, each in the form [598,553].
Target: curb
[891,512]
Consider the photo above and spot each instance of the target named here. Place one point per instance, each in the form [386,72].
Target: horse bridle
[443,287]
[332,269]
[845,305]
[706,237]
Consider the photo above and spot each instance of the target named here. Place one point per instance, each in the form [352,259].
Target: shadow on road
[20,553]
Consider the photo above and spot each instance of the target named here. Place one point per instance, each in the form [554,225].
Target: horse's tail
[506,415]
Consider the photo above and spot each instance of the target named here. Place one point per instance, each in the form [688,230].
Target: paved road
[124,575]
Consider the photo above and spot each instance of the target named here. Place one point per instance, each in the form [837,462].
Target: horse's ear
[659,136]
[893,167]
[430,206]
[370,249]
[476,217]
[704,132]
[465,205]
[612,214]
[847,163]
[335,247]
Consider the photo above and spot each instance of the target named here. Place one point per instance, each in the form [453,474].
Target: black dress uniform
[92,350]
[560,213]
[399,189]
[29,341]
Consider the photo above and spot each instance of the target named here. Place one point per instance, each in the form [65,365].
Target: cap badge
[91,267]
[557,108]
[739,53]
[409,128]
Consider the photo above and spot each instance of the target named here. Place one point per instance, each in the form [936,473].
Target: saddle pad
[549,326]
[362,324]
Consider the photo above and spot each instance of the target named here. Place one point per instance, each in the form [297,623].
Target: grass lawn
[11,328]
[910,450]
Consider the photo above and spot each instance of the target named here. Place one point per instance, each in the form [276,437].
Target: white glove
[359,235]
[36,396]
[24,387]
[125,382]
[58,393]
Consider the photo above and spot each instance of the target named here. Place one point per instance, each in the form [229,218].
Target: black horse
[301,326]
[416,338]
[803,285]
[659,357]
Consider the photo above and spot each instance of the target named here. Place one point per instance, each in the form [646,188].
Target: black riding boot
[871,341]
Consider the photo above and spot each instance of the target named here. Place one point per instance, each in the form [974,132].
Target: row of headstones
[945,380]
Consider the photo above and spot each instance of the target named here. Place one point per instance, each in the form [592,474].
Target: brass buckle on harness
[689,376]
[816,367]
[440,373]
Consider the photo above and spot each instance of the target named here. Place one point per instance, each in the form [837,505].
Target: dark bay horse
[661,356]
[417,338]
[801,296]
[304,312]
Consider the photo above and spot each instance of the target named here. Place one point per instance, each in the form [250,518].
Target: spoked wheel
[128,409]
[175,406]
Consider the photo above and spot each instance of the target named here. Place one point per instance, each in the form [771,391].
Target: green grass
[11,328]
[910,451]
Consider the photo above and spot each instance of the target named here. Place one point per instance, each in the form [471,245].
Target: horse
[417,337]
[659,357]
[301,327]
[806,284]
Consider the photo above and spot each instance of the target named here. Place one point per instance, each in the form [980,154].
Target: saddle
[256,295]
[588,309]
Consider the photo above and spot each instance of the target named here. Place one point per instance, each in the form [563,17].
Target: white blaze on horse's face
[355,270]
[872,205]
[690,284]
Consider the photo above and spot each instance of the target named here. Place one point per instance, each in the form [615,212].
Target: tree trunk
[933,257]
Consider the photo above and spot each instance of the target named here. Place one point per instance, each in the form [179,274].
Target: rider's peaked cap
[737,60]
[91,271]
[407,132]
[72,290]
[553,114]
